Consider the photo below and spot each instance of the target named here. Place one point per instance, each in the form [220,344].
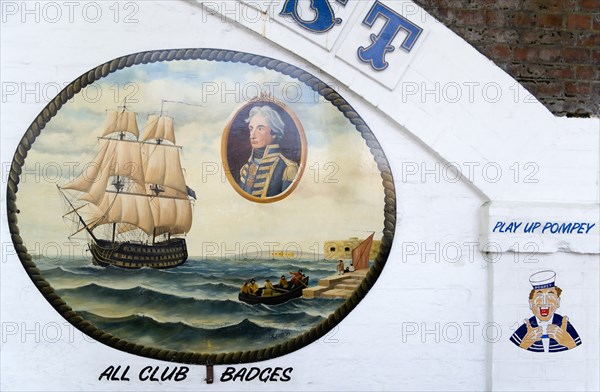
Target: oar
[303,284]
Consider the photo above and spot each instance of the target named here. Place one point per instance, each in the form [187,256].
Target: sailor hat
[542,279]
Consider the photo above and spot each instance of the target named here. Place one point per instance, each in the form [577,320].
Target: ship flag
[360,255]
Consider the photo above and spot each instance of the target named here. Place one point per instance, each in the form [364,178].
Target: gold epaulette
[291,169]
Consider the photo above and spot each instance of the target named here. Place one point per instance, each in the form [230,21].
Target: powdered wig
[271,117]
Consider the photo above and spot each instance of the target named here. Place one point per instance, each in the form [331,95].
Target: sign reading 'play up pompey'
[539,227]
[545,228]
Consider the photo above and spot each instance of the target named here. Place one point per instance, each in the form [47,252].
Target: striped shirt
[538,346]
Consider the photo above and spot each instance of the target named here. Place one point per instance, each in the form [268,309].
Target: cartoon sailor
[546,331]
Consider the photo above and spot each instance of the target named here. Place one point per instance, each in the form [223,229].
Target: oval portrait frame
[217,55]
[225,151]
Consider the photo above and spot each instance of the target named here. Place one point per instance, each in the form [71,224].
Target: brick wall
[552,47]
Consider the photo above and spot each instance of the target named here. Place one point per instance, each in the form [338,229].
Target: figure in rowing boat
[296,277]
[274,294]
[268,289]
[283,283]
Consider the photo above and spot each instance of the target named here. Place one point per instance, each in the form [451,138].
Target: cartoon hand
[532,336]
[561,335]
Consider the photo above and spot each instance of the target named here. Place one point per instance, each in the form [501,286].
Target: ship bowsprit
[162,255]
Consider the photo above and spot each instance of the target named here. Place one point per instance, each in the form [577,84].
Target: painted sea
[194,307]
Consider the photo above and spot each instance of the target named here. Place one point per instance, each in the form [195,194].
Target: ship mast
[164,176]
[117,184]
[124,204]
[148,189]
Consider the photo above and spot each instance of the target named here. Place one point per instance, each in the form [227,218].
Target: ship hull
[129,255]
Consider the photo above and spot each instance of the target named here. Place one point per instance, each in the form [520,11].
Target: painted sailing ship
[132,198]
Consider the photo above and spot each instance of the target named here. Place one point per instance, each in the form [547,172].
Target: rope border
[219,55]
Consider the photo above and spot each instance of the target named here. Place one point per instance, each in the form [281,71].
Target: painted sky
[340,194]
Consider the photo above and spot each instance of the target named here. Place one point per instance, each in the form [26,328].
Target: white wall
[426,323]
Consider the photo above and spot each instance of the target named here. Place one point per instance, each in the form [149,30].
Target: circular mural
[201,206]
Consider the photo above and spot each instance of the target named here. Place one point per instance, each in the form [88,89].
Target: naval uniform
[267,172]
[538,346]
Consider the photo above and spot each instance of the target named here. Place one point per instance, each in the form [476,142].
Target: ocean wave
[195,269]
[222,283]
[213,287]
[191,307]
[139,296]
[61,277]
[107,301]
[180,336]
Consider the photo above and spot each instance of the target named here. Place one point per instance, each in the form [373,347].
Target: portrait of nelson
[267,172]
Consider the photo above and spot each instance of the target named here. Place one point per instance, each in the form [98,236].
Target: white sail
[116,158]
[162,166]
[98,188]
[171,215]
[127,208]
[91,172]
[183,223]
[127,160]
[121,121]
[150,194]
[159,127]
